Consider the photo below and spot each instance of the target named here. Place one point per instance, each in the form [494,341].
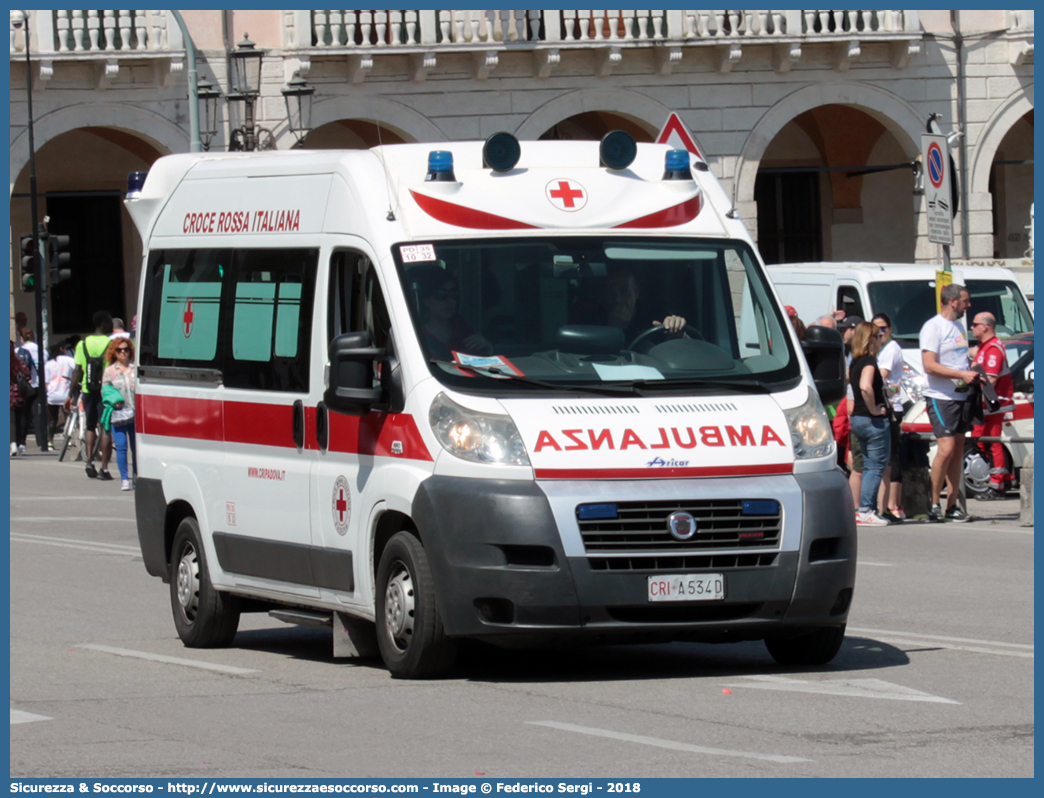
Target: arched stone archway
[159,132]
[635,106]
[993,134]
[407,125]
[81,175]
[1001,179]
[897,115]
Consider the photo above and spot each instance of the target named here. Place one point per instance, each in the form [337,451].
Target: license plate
[687,587]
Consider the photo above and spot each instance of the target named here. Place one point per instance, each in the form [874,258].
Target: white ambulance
[526,393]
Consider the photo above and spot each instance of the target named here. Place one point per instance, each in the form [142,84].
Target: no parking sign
[935,153]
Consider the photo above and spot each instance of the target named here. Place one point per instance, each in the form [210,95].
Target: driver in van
[612,301]
[442,327]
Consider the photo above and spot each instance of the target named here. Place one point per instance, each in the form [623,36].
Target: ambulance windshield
[606,314]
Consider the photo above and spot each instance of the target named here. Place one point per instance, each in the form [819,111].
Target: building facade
[811,119]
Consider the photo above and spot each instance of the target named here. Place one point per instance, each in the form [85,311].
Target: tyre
[977,469]
[814,648]
[203,616]
[67,432]
[410,634]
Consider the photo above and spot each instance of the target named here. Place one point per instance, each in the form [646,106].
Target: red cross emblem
[566,195]
[342,505]
[188,317]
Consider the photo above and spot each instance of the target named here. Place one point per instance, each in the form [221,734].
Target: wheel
[203,616]
[814,648]
[68,431]
[977,468]
[660,330]
[410,635]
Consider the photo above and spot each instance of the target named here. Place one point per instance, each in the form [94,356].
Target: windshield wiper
[496,373]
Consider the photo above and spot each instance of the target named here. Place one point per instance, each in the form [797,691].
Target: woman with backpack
[90,363]
[29,354]
[19,377]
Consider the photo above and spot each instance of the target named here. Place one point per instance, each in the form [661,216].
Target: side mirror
[350,389]
[825,352]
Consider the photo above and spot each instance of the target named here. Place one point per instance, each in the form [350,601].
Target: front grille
[682,562]
[640,528]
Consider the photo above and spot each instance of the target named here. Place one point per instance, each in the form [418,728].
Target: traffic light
[27,244]
[57,259]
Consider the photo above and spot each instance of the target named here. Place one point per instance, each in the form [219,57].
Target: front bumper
[507,570]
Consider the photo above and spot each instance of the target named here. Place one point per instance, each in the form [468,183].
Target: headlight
[478,437]
[912,382]
[810,429]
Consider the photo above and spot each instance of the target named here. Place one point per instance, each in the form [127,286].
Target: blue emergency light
[135,183]
[597,512]
[676,165]
[440,167]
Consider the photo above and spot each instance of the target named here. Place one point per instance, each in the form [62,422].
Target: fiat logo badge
[682,526]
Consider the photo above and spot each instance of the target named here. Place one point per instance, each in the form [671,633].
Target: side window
[344,279]
[848,300]
[270,317]
[368,302]
[181,322]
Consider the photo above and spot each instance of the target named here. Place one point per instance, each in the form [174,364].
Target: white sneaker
[870,518]
[14,449]
[21,451]
[125,484]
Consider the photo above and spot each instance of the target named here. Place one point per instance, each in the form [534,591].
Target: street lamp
[208,95]
[244,70]
[298,96]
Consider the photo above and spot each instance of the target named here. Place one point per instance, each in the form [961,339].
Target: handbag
[25,390]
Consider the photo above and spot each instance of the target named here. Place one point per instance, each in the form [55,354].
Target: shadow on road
[481,662]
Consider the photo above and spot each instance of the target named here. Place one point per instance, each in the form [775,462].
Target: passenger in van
[870,424]
[443,329]
[611,302]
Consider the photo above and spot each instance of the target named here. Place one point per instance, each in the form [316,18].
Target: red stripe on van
[377,434]
[663,473]
[460,216]
[260,424]
[387,435]
[180,417]
[669,217]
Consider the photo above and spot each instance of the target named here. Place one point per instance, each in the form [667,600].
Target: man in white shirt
[944,351]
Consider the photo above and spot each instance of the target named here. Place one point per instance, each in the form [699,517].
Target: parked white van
[516,392]
[906,293]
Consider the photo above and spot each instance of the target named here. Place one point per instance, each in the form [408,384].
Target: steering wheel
[659,329]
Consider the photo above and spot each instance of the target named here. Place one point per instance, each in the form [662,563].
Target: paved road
[934,679]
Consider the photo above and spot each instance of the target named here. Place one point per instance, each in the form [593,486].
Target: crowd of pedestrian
[97,376]
[868,422]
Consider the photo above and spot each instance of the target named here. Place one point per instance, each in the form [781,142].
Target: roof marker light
[676,165]
[135,183]
[617,149]
[501,152]
[440,167]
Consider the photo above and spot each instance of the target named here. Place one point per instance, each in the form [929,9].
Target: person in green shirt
[93,346]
